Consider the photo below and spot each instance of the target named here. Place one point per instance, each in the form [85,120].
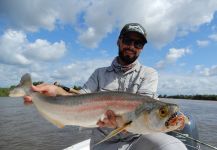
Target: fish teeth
[172,116]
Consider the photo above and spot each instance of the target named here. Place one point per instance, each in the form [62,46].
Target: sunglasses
[137,43]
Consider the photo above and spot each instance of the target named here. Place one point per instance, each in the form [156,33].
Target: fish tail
[23,88]
[26,80]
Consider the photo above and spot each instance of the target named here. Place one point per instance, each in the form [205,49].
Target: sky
[66,41]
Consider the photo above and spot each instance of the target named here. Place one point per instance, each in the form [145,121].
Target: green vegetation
[192,97]
[4,92]
[77,87]
[37,83]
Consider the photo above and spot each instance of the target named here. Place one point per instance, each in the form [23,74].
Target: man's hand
[46,89]
[112,121]
[109,120]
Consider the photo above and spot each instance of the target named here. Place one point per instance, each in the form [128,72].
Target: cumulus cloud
[95,19]
[78,71]
[17,50]
[213,37]
[202,81]
[172,56]
[158,17]
[172,84]
[31,16]
[44,50]
[12,45]
[206,71]
[202,43]
[73,73]
[89,38]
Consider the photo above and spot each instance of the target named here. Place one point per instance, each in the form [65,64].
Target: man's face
[130,46]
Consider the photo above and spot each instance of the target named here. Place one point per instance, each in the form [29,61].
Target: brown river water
[23,128]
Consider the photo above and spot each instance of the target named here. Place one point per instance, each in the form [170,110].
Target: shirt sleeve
[149,84]
[92,83]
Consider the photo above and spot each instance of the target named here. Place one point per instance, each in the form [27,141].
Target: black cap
[134,27]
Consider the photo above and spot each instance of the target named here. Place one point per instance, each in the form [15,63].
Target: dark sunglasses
[137,43]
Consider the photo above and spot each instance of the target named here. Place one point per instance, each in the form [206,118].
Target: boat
[190,130]
[84,145]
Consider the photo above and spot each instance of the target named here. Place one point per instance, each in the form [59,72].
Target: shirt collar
[115,66]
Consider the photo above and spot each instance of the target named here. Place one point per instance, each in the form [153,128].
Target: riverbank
[191,97]
[4,92]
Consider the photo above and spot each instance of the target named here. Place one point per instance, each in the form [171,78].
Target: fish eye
[163,111]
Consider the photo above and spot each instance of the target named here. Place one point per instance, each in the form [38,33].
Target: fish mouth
[177,119]
[173,116]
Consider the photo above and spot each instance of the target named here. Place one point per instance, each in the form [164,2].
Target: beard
[126,58]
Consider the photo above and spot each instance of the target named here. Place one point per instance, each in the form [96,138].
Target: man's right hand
[109,121]
[46,89]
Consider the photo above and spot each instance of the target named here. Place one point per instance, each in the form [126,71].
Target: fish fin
[50,119]
[114,132]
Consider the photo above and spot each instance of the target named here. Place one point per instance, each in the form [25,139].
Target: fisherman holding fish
[125,74]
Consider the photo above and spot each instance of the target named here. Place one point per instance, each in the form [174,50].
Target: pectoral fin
[114,132]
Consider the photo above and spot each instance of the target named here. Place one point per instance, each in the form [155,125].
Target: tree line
[192,97]
[4,92]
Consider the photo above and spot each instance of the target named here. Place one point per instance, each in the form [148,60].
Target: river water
[23,128]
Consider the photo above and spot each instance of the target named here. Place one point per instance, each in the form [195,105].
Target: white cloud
[205,71]
[17,50]
[89,38]
[172,56]
[163,19]
[172,84]
[12,45]
[202,43]
[75,73]
[79,71]
[44,50]
[32,16]
[158,17]
[213,37]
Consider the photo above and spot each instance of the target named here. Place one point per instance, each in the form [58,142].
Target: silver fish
[135,113]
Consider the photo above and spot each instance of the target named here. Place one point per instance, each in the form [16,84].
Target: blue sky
[66,41]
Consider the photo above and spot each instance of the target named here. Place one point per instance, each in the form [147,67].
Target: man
[128,75]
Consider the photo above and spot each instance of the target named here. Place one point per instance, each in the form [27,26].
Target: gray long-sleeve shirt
[138,79]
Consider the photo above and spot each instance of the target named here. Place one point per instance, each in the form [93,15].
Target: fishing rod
[208,145]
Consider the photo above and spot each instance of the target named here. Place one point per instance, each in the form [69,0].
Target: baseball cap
[134,27]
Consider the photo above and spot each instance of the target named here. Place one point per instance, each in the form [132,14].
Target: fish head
[164,118]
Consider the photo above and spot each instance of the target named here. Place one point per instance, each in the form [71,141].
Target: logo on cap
[135,28]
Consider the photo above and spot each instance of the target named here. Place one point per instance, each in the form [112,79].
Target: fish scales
[106,100]
[115,101]
[100,97]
